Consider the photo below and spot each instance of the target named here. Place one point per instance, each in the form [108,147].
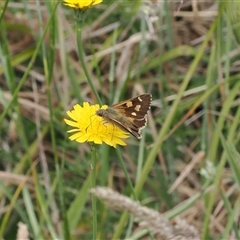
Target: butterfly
[129,115]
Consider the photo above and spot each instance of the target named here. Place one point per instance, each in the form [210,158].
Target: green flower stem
[94,206]
[79,22]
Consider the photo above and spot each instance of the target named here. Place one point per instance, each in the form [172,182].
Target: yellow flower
[81,4]
[88,127]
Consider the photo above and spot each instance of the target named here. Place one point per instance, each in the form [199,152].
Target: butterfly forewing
[129,115]
[136,107]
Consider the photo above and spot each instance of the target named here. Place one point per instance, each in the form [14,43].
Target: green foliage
[186,164]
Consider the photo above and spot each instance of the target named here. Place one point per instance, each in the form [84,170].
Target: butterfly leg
[90,122]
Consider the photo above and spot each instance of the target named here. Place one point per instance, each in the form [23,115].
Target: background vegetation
[187,164]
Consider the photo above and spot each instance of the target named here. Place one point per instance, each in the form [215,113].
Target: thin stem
[94,206]
[81,57]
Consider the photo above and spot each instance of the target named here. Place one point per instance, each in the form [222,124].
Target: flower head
[88,127]
[81,4]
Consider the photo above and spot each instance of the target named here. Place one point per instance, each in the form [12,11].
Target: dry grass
[186,55]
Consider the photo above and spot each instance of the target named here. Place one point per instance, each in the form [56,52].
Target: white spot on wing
[137,108]
[129,104]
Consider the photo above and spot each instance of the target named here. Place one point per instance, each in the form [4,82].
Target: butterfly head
[101,112]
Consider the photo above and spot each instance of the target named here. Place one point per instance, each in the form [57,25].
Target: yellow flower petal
[71,123]
[88,127]
[81,4]
[81,139]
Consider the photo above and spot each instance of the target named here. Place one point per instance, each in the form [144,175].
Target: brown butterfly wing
[129,115]
[126,126]
[135,108]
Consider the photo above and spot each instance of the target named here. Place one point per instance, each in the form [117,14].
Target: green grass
[186,166]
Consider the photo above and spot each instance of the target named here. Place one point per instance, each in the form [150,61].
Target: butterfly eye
[100,112]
